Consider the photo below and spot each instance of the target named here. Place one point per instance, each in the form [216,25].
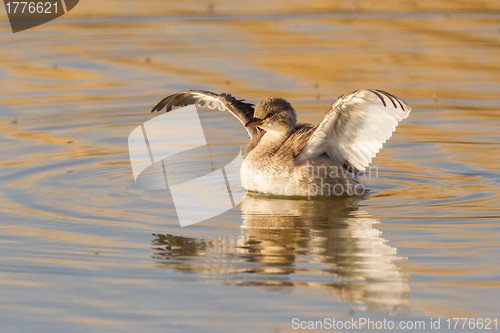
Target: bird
[286,158]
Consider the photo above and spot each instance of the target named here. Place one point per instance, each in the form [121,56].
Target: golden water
[82,248]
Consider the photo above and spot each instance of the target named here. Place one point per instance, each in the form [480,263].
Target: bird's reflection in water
[327,244]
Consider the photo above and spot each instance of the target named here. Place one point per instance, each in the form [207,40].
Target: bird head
[274,115]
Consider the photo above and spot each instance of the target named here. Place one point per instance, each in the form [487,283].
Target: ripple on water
[75,240]
[322,244]
[431,179]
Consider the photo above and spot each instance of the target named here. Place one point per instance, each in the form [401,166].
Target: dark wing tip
[380,94]
[165,103]
[158,106]
[181,99]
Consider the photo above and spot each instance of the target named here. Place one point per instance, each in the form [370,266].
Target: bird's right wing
[356,127]
[224,102]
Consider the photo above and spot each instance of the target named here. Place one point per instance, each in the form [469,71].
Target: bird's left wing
[356,127]
[224,102]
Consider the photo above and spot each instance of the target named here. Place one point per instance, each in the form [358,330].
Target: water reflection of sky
[83,248]
[326,244]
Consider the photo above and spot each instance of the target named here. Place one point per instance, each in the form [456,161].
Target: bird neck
[271,140]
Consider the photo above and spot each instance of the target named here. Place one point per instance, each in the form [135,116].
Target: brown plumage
[286,158]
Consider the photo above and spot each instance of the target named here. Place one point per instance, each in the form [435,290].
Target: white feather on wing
[356,127]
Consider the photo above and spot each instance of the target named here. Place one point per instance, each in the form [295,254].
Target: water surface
[83,248]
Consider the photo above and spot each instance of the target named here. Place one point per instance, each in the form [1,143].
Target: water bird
[285,158]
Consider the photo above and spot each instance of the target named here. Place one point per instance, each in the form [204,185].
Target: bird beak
[254,122]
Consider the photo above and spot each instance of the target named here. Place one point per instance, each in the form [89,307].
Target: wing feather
[224,102]
[356,127]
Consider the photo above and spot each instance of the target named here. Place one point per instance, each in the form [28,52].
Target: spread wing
[223,102]
[356,127]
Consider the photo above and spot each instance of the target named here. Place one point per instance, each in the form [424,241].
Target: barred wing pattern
[224,102]
[356,127]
